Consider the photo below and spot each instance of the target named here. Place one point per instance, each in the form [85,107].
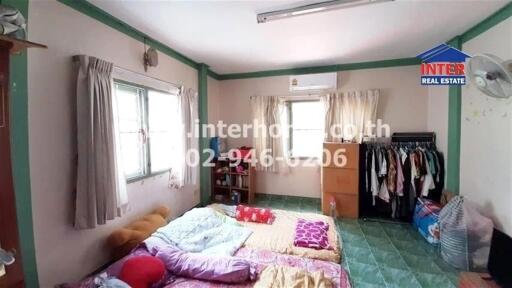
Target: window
[148,122]
[306,120]
[131,126]
[164,124]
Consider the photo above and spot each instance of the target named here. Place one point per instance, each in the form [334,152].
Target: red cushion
[142,271]
[252,214]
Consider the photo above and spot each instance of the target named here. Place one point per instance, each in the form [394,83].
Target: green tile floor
[378,254]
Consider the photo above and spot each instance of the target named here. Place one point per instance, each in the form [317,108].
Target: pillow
[142,271]
[252,214]
[205,267]
[311,234]
[124,240]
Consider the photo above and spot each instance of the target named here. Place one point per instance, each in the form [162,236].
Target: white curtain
[347,115]
[122,193]
[269,132]
[100,190]
[184,172]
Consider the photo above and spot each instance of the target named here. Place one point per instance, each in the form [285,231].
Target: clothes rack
[399,137]
[387,194]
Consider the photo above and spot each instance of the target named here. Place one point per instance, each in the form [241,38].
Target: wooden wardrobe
[341,182]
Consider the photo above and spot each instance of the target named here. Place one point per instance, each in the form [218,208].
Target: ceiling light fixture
[313,8]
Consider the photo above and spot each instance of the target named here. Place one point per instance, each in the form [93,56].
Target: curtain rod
[76,58]
[316,93]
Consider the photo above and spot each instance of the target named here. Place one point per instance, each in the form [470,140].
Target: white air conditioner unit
[313,81]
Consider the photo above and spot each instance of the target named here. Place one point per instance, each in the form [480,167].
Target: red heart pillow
[142,271]
[252,214]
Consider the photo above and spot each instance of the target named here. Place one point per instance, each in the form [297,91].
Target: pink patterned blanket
[262,258]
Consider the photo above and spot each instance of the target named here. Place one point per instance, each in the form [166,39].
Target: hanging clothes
[395,175]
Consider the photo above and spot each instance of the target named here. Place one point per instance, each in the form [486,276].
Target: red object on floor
[142,271]
[476,280]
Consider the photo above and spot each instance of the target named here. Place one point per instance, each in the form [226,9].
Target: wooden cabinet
[340,179]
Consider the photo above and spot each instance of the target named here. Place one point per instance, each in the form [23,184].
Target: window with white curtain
[164,128]
[306,128]
[150,123]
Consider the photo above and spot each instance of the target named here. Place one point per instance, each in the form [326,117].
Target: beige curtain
[347,114]
[183,173]
[269,139]
[100,189]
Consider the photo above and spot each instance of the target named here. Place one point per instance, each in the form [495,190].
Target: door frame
[9,235]
[20,153]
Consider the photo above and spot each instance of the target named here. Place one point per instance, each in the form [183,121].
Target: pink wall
[63,253]
[403,105]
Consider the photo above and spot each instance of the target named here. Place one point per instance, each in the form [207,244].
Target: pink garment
[399,177]
[311,234]
[383,191]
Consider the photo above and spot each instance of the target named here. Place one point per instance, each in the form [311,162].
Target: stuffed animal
[142,271]
[124,240]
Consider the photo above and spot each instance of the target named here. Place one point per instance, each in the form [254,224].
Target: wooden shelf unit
[230,181]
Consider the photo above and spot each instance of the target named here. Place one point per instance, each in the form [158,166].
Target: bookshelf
[230,179]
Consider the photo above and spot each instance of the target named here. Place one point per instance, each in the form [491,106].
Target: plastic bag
[465,235]
[12,22]
[426,220]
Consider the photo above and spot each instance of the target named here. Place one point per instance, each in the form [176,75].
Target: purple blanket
[311,234]
[206,267]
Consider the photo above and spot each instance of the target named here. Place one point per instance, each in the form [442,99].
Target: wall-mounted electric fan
[491,75]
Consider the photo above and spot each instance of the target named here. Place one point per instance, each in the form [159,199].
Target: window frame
[289,111]
[148,172]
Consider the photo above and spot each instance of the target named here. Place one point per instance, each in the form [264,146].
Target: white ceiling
[225,35]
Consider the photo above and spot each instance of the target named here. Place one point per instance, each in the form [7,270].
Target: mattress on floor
[262,259]
[279,236]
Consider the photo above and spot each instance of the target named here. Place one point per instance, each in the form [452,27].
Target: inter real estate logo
[443,65]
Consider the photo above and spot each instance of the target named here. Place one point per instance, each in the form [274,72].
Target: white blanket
[201,230]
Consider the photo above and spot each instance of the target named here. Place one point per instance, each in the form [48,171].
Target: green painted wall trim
[204,172]
[454,122]
[323,69]
[213,75]
[19,153]
[111,21]
[487,23]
